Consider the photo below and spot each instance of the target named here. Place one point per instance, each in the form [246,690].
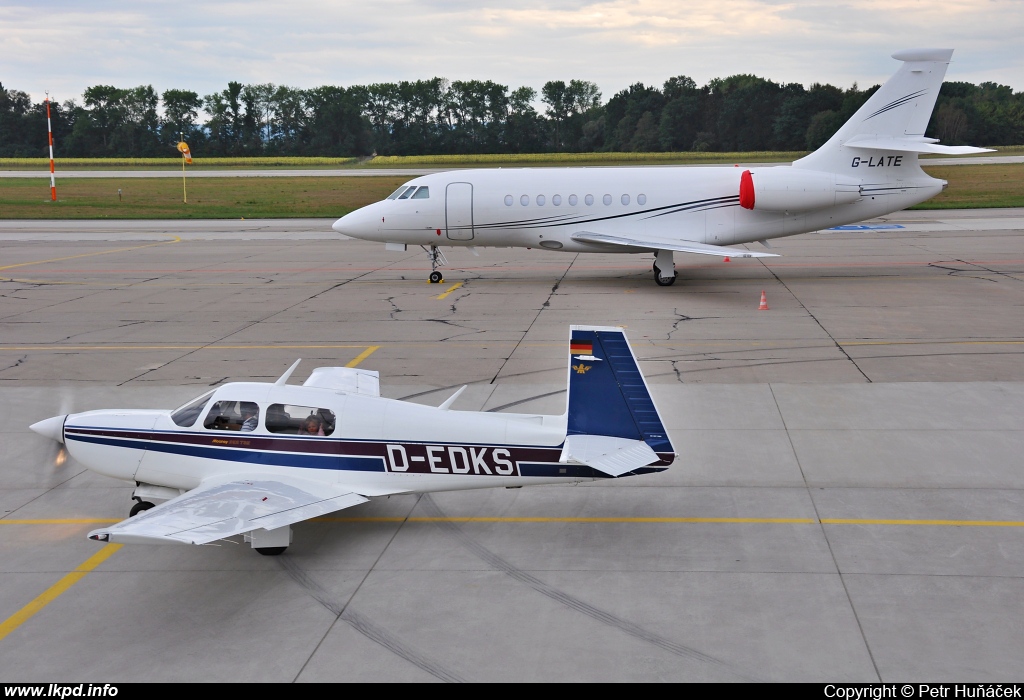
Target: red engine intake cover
[746,190]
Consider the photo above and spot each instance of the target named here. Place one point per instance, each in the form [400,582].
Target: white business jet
[867,169]
[254,458]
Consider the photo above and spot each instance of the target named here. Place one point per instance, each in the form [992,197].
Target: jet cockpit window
[422,193]
[396,193]
[300,420]
[241,416]
[187,414]
[407,193]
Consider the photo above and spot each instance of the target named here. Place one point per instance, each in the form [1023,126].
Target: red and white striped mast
[49,129]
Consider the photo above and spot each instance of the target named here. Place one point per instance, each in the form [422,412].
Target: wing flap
[217,510]
[655,243]
[610,455]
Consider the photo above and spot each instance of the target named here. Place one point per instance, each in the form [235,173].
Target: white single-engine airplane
[254,458]
[867,169]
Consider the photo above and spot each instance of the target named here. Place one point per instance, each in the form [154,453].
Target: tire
[663,281]
[270,551]
[436,277]
[139,507]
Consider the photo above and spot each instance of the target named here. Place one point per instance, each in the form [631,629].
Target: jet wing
[610,455]
[215,510]
[655,243]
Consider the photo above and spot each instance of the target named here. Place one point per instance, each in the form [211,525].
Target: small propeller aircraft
[868,168]
[253,458]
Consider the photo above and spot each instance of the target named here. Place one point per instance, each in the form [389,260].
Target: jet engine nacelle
[793,189]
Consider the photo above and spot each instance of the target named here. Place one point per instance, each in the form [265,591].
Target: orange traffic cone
[764,302]
[726,259]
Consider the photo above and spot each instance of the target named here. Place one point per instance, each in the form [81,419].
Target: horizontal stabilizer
[611,455]
[213,512]
[912,146]
[655,243]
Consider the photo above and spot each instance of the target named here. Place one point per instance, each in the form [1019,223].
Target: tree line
[438,116]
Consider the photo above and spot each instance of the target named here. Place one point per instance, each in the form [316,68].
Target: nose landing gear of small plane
[663,263]
[436,258]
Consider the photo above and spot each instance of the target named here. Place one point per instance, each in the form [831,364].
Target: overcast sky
[65,46]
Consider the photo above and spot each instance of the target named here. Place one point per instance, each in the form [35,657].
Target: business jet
[254,458]
[867,169]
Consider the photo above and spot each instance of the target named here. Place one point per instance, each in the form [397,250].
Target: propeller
[53,428]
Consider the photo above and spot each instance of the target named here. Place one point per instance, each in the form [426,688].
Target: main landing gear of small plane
[663,263]
[139,507]
[436,258]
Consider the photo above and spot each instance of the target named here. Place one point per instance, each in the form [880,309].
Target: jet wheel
[663,281]
[436,277]
[270,551]
[139,507]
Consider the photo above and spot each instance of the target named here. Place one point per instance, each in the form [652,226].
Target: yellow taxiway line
[363,355]
[175,239]
[448,291]
[53,592]
[582,520]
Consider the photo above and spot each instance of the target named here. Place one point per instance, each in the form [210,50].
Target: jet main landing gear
[436,258]
[664,269]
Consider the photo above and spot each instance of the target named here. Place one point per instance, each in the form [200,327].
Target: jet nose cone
[350,224]
[52,428]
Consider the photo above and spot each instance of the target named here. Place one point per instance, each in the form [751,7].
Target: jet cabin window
[187,414]
[242,416]
[300,420]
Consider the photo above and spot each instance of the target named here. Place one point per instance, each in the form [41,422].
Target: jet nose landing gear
[436,259]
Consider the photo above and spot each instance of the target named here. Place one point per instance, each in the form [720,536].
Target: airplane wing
[610,455]
[655,243]
[215,510]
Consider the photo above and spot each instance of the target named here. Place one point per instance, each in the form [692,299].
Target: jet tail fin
[612,422]
[894,118]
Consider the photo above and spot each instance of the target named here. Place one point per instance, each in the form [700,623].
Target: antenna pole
[49,130]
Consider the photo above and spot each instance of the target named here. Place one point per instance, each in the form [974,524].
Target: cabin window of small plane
[422,193]
[540,200]
[407,193]
[187,414]
[557,200]
[300,420]
[607,199]
[572,200]
[641,199]
[240,416]
[625,199]
[508,200]
[589,199]
[524,200]
[400,190]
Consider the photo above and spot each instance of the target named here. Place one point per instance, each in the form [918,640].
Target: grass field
[469,160]
[208,198]
[285,197]
[977,186]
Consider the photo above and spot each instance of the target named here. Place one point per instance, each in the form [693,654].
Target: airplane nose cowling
[52,428]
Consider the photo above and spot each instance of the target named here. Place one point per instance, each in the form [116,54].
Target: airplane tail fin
[612,422]
[893,120]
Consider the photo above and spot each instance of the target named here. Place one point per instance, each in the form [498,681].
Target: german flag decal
[581,347]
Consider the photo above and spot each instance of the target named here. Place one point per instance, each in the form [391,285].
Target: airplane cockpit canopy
[187,414]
